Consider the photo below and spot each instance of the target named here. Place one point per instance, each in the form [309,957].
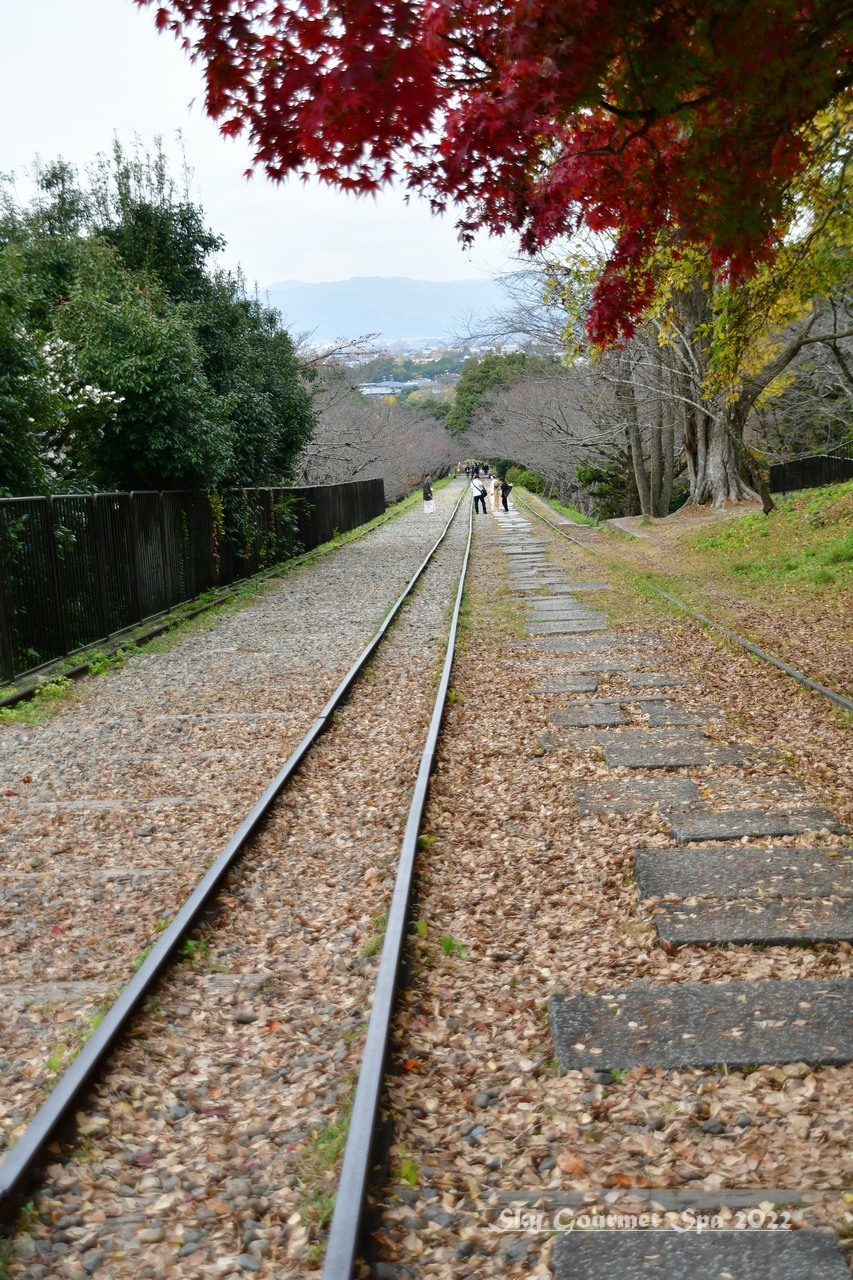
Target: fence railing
[77,568]
[813,470]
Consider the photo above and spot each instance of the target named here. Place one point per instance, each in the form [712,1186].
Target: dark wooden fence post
[7,652]
[57,594]
[99,559]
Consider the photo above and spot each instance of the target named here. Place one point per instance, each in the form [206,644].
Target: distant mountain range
[399,310]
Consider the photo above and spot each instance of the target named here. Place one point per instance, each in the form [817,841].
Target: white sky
[74,73]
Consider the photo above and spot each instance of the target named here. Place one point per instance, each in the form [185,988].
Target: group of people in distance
[499,492]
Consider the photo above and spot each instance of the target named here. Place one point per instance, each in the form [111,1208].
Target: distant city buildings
[429,386]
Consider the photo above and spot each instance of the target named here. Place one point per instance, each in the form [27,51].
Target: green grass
[318,1161]
[374,943]
[41,705]
[806,542]
[571,511]
[194,951]
[451,947]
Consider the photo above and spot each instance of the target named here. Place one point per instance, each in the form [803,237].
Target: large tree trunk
[662,442]
[632,496]
[656,460]
[717,461]
[714,462]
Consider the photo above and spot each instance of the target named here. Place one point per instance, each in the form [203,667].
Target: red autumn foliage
[539,116]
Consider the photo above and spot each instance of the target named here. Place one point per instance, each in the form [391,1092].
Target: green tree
[24,396]
[251,364]
[477,379]
[146,368]
[169,428]
[136,206]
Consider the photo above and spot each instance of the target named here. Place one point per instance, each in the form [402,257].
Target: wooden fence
[77,568]
[812,470]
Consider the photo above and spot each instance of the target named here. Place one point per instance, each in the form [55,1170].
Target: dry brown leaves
[520,898]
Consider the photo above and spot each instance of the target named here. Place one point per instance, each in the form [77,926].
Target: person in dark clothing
[479,491]
[505,488]
[429,504]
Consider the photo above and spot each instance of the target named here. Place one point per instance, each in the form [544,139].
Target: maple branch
[617,151]
[470,50]
[650,114]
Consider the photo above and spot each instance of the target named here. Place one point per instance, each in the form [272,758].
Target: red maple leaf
[539,117]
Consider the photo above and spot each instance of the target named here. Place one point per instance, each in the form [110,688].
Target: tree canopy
[126,359]
[684,121]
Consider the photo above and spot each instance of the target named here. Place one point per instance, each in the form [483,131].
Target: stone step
[638,748]
[585,714]
[622,662]
[744,872]
[734,824]
[691,1254]
[547,610]
[657,680]
[574,625]
[668,712]
[564,588]
[635,795]
[778,922]
[571,684]
[600,644]
[704,1025]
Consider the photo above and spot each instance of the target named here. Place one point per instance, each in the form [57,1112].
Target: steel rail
[23,1161]
[841,699]
[344,1240]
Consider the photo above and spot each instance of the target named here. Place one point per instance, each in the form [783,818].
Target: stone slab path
[714,1255]
[635,795]
[735,824]
[640,748]
[694,1024]
[705,895]
[747,871]
[782,922]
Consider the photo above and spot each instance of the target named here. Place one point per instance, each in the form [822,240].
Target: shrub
[530,480]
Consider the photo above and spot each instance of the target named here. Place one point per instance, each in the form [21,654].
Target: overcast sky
[74,73]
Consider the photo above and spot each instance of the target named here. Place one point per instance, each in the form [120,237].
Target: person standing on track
[479,491]
[505,492]
[429,502]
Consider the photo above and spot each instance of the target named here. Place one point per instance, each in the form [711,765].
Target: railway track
[642,846]
[197,1160]
[297,927]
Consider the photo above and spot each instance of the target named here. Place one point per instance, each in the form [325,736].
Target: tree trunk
[628,401]
[668,451]
[632,496]
[713,461]
[656,460]
[713,444]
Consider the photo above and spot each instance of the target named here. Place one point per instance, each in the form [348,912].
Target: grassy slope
[784,581]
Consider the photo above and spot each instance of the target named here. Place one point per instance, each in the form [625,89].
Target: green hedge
[530,480]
